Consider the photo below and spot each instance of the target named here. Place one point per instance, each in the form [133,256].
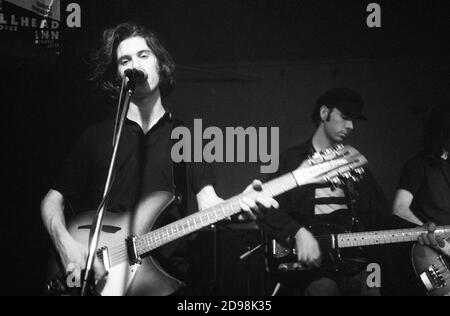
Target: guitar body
[145,279]
[343,262]
[432,269]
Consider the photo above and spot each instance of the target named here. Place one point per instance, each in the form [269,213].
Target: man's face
[337,125]
[134,53]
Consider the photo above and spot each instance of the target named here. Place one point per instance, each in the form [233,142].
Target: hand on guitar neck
[438,243]
[253,208]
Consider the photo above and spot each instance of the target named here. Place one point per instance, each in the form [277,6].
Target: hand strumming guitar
[307,247]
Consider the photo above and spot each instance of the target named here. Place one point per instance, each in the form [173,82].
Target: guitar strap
[180,182]
[351,193]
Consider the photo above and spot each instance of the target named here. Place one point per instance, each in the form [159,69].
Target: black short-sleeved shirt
[144,165]
[300,205]
[428,180]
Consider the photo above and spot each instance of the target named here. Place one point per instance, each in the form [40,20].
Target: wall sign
[38,21]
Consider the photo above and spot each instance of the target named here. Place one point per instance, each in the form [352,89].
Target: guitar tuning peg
[316,159]
[332,182]
[333,187]
[335,183]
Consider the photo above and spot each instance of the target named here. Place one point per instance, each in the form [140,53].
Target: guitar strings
[120,252]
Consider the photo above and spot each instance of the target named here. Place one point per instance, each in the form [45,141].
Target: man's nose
[135,63]
[350,125]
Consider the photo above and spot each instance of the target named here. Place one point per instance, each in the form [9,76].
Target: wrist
[301,231]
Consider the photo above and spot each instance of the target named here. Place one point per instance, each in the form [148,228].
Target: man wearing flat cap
[334,115]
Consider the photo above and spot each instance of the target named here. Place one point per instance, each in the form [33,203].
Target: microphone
[136,75]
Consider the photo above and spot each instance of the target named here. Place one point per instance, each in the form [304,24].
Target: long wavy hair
[104,60]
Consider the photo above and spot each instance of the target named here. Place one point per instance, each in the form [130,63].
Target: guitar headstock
[339,178]
[333,166]
[328,154]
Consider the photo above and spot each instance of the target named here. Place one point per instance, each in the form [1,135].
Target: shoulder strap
[352,194]
[180,178]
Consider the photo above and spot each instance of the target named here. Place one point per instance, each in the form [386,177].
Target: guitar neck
[200,220]
[385,237]
[331,165]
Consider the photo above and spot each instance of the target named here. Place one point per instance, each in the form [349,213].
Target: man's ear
[324,113]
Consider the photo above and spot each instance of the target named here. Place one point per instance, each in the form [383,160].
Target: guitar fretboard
[385,237]
[200,220]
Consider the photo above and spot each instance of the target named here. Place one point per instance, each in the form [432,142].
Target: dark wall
[248,63]
[397,94]
[266,30]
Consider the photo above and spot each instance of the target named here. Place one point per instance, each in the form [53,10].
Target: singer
[144,167]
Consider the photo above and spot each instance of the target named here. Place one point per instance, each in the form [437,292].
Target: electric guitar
[129,259]
[342,253]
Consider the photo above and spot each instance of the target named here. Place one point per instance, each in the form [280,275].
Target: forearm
[402,207]
[52,212]
[406,214]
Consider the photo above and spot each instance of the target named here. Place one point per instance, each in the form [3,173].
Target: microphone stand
[88,275]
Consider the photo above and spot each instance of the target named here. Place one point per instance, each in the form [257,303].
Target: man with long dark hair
[422,199]
[423,195]
[144,164]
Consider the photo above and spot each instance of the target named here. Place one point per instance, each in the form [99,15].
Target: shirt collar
[168,116]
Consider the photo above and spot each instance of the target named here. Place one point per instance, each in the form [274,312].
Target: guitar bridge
[133,255]
[433,279]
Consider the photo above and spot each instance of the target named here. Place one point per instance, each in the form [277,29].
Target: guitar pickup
[133,255]
[295,266]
